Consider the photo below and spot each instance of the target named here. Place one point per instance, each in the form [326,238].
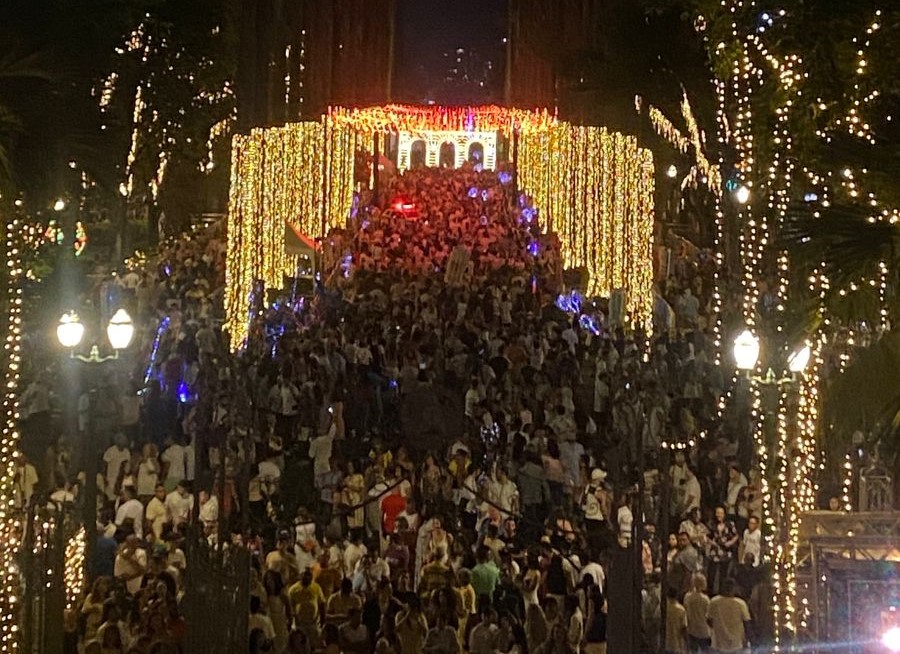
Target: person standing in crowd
[676,624]
[723,544]
[696,606]
[728,617]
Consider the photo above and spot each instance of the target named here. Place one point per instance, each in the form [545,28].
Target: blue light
[184,393]
[479,167]
[163,326]
[534,248]
[811,197]
[569,302]
[504,177]
[589,323]
[470,122]
[528,214]
[485,195]
[473,192]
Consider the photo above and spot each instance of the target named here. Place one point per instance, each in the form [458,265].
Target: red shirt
[391,506]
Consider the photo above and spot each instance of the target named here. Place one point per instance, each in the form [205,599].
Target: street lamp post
[781,487]
[70,332]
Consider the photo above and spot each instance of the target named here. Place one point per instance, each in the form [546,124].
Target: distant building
[555,50]
[298,57]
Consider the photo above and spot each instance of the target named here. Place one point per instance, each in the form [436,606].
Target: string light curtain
[10,526]
[594,188]
[299,175]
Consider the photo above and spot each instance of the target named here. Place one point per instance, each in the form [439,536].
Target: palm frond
[867,393]
[9,125]
[844,238]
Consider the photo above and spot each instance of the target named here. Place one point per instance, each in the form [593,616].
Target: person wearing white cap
[594,504]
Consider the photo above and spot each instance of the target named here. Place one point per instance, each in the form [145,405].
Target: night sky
[428,28]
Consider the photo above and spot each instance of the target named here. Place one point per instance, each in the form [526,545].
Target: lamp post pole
[777,453]
[70,332]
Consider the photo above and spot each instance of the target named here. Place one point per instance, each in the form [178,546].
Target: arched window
[417,154]
[476,153]
[447,157]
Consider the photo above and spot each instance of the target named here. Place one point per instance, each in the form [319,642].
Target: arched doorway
[476,153]
[417,154]
[447,156]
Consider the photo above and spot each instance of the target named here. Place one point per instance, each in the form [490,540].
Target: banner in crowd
[456,266]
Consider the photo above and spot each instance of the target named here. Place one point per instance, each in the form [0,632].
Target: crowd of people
[570,439]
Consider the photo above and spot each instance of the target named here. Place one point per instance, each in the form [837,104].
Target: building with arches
[430,148]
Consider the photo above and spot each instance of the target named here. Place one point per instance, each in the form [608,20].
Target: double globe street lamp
[119,331]
[70,332]
[746,356]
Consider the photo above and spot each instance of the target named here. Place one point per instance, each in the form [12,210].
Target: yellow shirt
[305,601]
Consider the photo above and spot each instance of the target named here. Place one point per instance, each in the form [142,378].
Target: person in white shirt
[132,510]
[174,461]
[504,493]
[179,505]
[691,492]
[353,553]
[320,452]
[115,457]
[696,606]
[728,616]
[625,520]
[209,510]
[147,472]
[131,564]
[190,460]
[157,514]
[62,496]
[258,620]
[751,543]
[595,570]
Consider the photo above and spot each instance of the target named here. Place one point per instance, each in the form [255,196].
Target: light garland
[805,489]
[665,128]
[594,189]
[299,175]
[74,568]
[412,118]
[10,527]
[216,132]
